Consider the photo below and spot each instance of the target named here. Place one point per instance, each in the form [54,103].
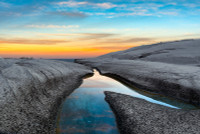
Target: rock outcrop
[171,68]
[183,52]
[137,116]
[175,81]
[31,92]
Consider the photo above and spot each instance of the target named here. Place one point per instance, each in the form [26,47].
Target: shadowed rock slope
[137,116]
[31,92]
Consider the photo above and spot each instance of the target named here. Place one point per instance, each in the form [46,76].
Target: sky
[89,28]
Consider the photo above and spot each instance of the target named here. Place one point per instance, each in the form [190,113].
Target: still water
[86,112]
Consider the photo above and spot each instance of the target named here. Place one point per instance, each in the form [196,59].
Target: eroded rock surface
[31,92]
[176,81]
[176,52]
[171,68]
[137,116]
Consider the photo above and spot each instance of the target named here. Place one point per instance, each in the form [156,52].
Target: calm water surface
[86,112]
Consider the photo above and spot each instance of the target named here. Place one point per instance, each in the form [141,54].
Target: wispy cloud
[191,35]
[129,40]
[82,36]
[171,13]
[132,9]
[52,26]
[140,13]
[82,27]
[69,14]
[191,5]
[4,4]
[31,41]
[122,14]
[71,3]
[104,5]
[48,41]
[115,48]
[90,36]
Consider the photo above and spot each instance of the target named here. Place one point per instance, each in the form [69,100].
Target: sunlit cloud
[52,26]
[88,28]
[114,47]
[129,40]
[105,5]
[89,36]
[71,3]
[32,41]
[191,35]
[83,35]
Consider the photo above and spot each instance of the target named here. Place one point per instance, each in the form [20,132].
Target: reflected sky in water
[86,112]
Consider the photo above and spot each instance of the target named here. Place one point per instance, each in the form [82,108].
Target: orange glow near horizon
[85,28]
[74,48]
[79,47]
[54,51]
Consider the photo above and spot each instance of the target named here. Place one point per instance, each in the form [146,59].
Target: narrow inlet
[86,111]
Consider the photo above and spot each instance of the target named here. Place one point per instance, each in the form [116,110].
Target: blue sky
[107,26]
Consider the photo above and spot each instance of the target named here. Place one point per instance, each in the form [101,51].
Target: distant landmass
[66,60]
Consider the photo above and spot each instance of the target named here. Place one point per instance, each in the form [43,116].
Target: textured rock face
[176,81]
[137,116]
[31,92]
[171,68]
[177,52]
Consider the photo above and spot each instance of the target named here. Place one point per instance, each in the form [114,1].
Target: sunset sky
[89,28]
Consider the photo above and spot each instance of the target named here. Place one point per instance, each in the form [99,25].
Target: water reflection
[85,110]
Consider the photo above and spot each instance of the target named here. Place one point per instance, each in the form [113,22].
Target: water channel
[86,112]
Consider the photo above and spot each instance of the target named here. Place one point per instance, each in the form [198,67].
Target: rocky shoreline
[32,91]
[174,81]
[171,69]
